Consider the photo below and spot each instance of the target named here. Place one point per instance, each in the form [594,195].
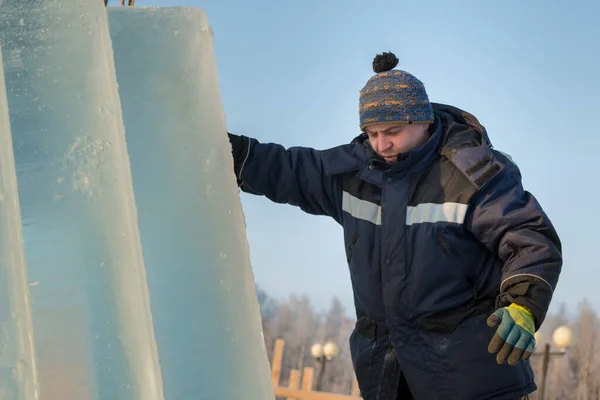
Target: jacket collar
[458,129]
[415,158]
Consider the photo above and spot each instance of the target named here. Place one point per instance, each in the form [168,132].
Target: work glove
[240,146]
[514,339]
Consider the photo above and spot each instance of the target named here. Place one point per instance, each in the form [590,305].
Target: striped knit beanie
[393,95]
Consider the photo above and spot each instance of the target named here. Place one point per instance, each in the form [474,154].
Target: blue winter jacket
[434,242]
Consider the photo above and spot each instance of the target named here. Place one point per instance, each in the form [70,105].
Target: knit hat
[393,95]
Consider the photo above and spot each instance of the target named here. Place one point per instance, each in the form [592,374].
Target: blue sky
[290,72]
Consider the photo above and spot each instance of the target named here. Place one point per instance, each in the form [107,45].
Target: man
[453,264]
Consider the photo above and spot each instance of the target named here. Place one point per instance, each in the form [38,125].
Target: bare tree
[334,323]
[585,349]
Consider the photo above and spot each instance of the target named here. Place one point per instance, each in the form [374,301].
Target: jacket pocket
[443,243]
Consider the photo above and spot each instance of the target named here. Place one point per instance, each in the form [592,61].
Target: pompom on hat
[393,95]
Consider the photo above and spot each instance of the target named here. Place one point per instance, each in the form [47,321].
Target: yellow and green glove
[514,339]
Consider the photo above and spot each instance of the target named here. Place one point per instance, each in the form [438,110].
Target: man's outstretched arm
[293,176]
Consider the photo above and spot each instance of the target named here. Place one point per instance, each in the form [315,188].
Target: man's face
[389,139]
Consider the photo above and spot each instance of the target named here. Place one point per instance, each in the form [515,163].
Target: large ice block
[18,371]
[206,315]
[93,330]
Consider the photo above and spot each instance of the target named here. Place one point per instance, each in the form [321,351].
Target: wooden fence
[300,383]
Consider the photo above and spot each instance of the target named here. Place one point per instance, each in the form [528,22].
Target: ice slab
[93,330]
[205,311]
[18,371]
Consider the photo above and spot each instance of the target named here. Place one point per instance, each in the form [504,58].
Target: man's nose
[383,144]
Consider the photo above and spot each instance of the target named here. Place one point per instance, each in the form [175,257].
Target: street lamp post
[323,353]
[562,337]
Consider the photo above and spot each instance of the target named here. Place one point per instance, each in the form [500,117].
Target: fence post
[276,361]
[294,381]
[307,379]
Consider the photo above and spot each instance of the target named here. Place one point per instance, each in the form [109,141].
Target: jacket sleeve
[294,176]
[510,222]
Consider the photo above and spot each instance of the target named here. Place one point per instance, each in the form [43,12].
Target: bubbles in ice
[209,160]
[58,195]
[210,191]
[20,368]
[84,160]
[14,59]
[106,109]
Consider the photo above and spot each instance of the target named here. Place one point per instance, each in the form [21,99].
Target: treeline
[574,375]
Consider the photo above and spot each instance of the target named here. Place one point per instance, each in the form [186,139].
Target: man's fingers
[529,350]
[494,320]
[502,355]
[510,341]
[515,356]
[520,346]
[495,344]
